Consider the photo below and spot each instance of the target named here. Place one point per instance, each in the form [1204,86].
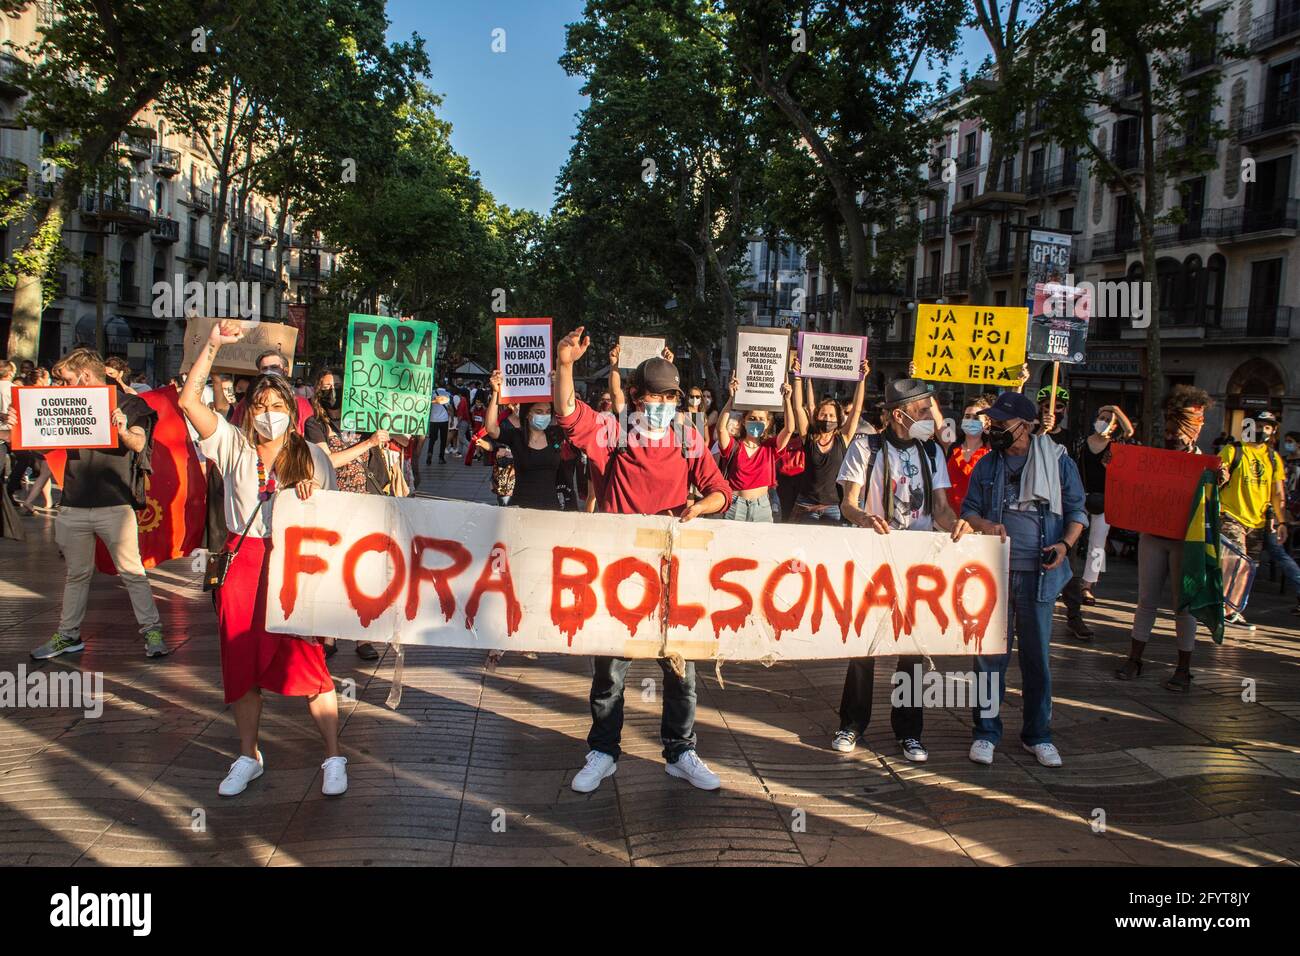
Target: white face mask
[271,425]
[1101,425]
[922,430]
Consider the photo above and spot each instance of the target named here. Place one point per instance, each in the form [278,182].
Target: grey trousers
[1160,568]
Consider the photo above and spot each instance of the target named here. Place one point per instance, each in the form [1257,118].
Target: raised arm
[724,436]
[859,396]
[204,419]
[787,429]
[491,422]
[616,380]
[567,351]
[801,412]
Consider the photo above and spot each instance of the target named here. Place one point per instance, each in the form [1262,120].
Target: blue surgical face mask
[755,429]
[1288,447]
[659,415]
[540,422]
[972,426]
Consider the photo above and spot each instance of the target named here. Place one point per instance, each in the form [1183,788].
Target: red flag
[173,523]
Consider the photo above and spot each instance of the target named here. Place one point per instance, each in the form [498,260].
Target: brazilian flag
[1201,589]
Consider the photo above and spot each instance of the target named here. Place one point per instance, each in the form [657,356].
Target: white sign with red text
[458,574]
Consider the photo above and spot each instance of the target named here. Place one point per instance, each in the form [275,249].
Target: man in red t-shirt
[644,467]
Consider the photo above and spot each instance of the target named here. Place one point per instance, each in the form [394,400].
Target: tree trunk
[1153,393]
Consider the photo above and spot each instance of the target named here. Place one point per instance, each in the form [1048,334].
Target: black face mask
[1000,439]
[329,398]
[825,426]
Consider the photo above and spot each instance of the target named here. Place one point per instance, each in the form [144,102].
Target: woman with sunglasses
[263,455]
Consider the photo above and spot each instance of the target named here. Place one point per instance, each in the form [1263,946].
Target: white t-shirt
[6,398]
[905,477]
[229,450]
[438,412]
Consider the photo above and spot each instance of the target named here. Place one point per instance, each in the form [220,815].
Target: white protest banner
[524,358]
[635,349]
[829,355]
[762,358]
[60,417]
[460,574]
[241,357]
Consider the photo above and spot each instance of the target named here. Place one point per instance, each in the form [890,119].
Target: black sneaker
[1079,628]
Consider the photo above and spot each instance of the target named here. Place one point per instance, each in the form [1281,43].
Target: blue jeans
[1285,563]
[750,509]
[829,514]
[1031,621]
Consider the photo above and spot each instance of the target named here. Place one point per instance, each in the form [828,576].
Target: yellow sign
[972,344]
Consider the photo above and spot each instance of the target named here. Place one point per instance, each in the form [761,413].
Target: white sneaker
[692,769]
[981,751]
[335,781]
[1047,754]
[844,741]
[242,772]
[597,768]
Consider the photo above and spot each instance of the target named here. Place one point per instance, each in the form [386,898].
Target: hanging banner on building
[388,375]
[239,358]
[461,574]
[61,417]
[524,358]
[827,355]
[298,319]
[635,349]
[762,358]
[970,344]
[1151,489]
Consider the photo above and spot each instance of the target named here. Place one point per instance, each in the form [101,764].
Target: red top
[959,469]
[462,408]
[747,471]
[647,476]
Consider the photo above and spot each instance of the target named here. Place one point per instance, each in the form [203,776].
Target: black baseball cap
[657,375]
[1010,405]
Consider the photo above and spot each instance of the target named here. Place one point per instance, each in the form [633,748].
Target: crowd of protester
[1004,464]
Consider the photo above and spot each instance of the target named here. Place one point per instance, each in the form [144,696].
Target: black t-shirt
[1063,438]
[1092,467]
[316,432]
[101,477]
[821,470]
[536,470]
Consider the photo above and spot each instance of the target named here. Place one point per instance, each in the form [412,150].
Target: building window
[1065,219]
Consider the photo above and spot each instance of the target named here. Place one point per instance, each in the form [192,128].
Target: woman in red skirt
[256,459]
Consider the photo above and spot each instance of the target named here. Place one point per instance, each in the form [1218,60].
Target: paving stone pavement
[1198,778]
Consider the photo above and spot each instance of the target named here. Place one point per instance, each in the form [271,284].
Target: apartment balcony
[968,160]
[999,262]
[200,200]
[1062,178]
[936,169]
[128,295]
[223,262]
[1254,324]
[128,218]
[1114,245]
[1123,88]
[957,225]
[166,161]
[197,253]
[928,287]
[47,11]
[1269,122]
[1273,29]
[934,228]
[956,284]
[1241,224]
[1127,158]
[1198,62]
[165,230]
[1195,229]
[13,78]
[139,147]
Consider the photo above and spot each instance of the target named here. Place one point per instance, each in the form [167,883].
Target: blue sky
[513,113]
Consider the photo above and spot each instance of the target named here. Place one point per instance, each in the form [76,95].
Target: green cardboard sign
[388,375]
